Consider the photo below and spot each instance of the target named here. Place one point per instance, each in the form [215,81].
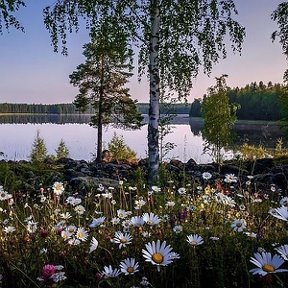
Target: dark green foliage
[254,102]
[39,151]
[102,79]
[62,150]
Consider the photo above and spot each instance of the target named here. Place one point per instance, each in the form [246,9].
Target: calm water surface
[18,134]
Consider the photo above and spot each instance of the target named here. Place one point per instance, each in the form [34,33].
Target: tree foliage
[219,117]
[62,150]
[120,150]
[280,15]
[7,11]
[39,151]
[102,79]
[174,40]
[256,101]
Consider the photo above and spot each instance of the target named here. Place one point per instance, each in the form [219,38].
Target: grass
[78,235]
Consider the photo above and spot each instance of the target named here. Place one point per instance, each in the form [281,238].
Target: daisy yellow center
[157,258]
[130,269]
[268,268]
[193,243]
[238,225]
[80,234]
[123,240]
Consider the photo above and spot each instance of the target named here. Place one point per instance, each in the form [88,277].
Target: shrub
[120,150]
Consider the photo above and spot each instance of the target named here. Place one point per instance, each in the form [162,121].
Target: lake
[19,131]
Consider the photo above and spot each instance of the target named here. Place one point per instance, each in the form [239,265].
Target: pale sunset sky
[30,72]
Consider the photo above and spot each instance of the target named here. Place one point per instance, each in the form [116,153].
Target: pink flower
[48,270]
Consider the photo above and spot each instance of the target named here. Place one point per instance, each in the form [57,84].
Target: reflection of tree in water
[196,125]
[255,134]
[44,118]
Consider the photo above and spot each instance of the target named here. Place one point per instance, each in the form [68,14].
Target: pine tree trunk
[153,130]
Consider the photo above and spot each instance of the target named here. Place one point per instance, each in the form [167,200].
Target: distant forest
[254,102]
[71,109]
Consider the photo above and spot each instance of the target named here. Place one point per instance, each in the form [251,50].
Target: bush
[120,151]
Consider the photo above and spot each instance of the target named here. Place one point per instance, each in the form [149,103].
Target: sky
[30,72]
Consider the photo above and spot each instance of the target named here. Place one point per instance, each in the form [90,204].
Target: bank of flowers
[208,233]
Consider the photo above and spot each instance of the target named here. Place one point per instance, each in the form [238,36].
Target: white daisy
[139,203]
[230,178]
[9,229]
[284,201]
[74,241]
[158,253]
[170,204]
[115,221]
[71,229]
[109,272]
[81,234]
[251,234]
[156,189]
[58,188]
[32,226]
[97,222]
[79,209]
[122,239]
[93,245]
[194,240]
[65,215]
[129,266]
[280,213]
[283,251]
[266,264]
[174,255]
[122,214]
[66,235]
[178,229]
[137,221]
[4,195]
[206,175]
[224,199]
[238,225]
[182,191]
[151,219]
[58,276]
[73,201]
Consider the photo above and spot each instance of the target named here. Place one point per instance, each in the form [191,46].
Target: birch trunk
[100,113]
[153,131]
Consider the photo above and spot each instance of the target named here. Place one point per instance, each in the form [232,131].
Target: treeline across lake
[254,102]
[69,108]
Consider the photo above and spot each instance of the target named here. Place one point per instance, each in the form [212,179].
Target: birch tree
[280,15]
[174,38]
[7,17]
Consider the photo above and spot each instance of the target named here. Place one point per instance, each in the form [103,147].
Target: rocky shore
[82,175]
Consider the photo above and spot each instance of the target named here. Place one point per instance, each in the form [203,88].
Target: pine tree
[102,79]
[39,151]
[62,150]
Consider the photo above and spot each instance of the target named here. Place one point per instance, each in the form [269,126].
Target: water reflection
[254,133]
[19,131]
[44,118]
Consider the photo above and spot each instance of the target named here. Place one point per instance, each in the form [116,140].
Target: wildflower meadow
[211,233]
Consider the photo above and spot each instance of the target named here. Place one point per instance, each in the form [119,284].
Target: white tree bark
[153,131]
